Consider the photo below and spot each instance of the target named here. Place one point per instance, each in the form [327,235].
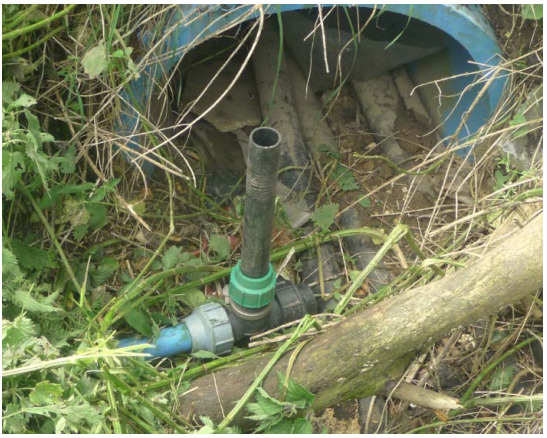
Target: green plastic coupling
[252,293]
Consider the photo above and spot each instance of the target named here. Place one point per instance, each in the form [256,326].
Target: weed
[275,416]
[324,216]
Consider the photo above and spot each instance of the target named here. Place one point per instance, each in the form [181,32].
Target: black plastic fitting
[292,302]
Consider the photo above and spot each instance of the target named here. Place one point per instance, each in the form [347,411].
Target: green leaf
[33,148]
[269,405]
[196,275]
[302,426]
[14,420]
[275,416]
[17,331]
[324,216]
[139,207]
[9,90]
[94,61]
[210,428]
[30,257]
[46,393]
[296,393]
[70,417]
[536,405]
[203,354]
[23,101]
[133,69]
[345,178]
[56,192]
[517,119]
[122,53]
[97,215]
[208,425]
[193,298]
[26,300]
[499,335]
[282,427]
[257,414]
[298,426]
[13,166]
[104,271]
[140,321]
[267,410]
[501,179]
[366,202]
[532,12]
[67,162]
[502,377]
[353,275]
[10,267]
[323,148]
[101,192]
[80,231]
[171,257]
[221,246]
[377,240]
[160,318]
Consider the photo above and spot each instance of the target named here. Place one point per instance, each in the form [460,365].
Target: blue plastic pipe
[171,341]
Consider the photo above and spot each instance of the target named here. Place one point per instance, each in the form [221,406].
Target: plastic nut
[252,293]
[210,329]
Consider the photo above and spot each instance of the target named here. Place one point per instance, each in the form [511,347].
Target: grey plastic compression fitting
[210,329]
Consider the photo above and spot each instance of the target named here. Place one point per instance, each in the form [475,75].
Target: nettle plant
[37,183]
[291,415]
[22,143]
[36,329]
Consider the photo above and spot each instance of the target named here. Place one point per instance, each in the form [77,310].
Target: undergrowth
[92,250]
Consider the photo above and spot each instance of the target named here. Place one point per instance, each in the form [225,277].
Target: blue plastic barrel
[471,53]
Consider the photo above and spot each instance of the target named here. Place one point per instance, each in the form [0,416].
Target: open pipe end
[260,191]
[265,137]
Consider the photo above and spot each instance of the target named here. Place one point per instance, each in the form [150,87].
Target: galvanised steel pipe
[262,166]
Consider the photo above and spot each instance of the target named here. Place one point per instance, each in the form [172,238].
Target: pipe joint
[210,329]
[252,293]
[292,302]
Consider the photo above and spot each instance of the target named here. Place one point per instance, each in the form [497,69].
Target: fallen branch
[357,357]
[420,396]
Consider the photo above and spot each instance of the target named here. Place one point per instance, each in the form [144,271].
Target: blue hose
[171,341]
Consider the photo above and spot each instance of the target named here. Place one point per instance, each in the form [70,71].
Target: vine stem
[493,365]
[34,45]
[306,243]
[38,25]
[397,234]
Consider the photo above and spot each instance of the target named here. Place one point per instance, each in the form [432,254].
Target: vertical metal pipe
[262,166]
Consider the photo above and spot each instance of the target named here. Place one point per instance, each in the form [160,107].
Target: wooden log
[357,357]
